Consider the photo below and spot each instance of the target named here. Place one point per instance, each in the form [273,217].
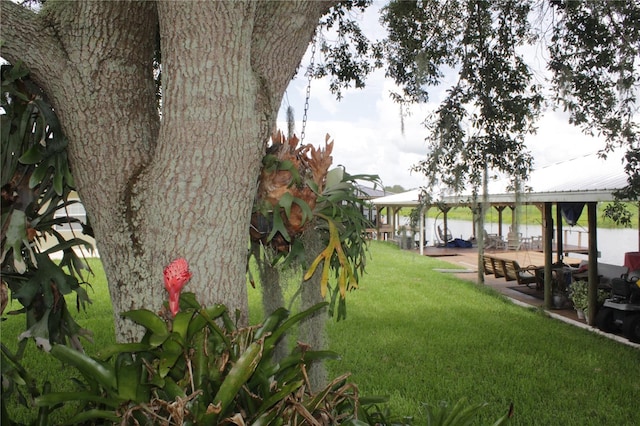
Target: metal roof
[371,192]
[586,178]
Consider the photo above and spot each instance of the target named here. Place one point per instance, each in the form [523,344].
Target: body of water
[612,243]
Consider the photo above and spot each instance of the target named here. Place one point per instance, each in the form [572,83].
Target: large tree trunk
[182,186]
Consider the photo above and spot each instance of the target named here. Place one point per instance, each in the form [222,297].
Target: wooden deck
[466,262]
[523,257]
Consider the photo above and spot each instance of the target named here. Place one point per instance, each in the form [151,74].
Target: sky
[367,131]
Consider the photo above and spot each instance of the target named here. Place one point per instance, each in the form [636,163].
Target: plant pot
[580,313]
[559,301]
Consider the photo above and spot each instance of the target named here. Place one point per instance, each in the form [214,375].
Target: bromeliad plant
[197,367]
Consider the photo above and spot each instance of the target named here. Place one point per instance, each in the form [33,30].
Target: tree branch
[25,38]
[294,22]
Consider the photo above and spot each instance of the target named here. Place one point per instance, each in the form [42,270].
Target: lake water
[612,243]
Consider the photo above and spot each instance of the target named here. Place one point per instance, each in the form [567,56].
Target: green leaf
[39,331]
[54,398]
[58,174]
[171,351]
[272,322]
[87,415]
[16,234]
[149,320]
[129,376]
[51,119]
[32,156]
[278,226]
[205,317]
[278,396]
[237,377]
[117,348]
[188,300]
[285,202]
[90,368]
[181,324]
[307,214]
[38,175]
[334,177]
[172,389]
[67,244]
[291,321]
[288,166]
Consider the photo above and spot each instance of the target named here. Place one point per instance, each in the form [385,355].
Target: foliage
[594,58]
[341,221]
[618,213]
[19,384]
[579,295]
[36,184]
[348,55]
[488,110]
[298,191]
[395,189]
[461,413]
[199,368]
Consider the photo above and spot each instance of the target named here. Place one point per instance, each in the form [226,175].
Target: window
[76,211]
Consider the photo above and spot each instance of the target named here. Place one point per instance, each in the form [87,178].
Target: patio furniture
[524,276]
[494,241]
[487,263]
[444,239]
[499,267]
[514,241]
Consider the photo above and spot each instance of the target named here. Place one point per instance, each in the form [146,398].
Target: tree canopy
[589,50]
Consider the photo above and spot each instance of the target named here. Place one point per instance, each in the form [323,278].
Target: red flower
[176,276]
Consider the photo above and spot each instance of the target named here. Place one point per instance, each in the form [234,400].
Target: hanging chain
[309,77]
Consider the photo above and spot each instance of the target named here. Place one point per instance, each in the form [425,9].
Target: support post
[547,222]
[500,210]
[559,240]
[421,239]
[592,295]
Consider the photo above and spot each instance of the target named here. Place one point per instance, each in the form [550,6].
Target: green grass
[420,336]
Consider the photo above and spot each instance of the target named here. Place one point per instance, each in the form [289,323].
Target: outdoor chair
[514,241]
[524,276]
[442,237]
[494,241]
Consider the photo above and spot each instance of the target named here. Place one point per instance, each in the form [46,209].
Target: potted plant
[579,295]
[559,289]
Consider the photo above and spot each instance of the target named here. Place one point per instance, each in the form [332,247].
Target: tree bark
[181,186]
[313,329]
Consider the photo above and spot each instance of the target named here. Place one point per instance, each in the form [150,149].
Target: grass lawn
[421,336]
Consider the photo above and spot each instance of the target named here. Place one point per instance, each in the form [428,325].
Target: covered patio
[569,185]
